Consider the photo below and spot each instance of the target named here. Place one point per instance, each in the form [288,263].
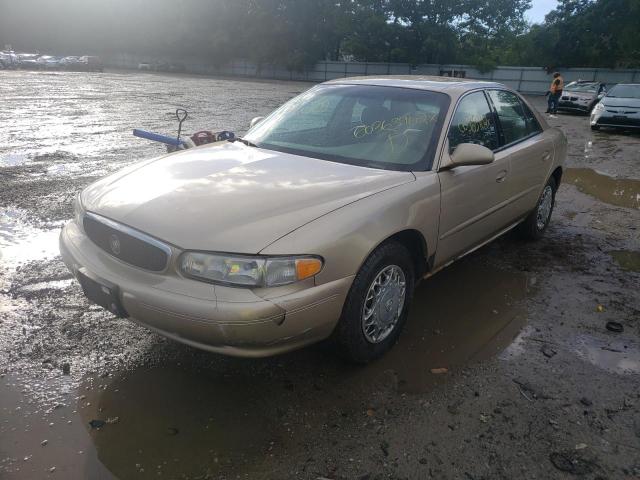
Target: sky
[539,9]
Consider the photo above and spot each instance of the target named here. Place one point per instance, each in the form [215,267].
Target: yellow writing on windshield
[395,124]
[474,124]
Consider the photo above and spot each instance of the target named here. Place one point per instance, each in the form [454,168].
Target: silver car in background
[620,108]
[581,96]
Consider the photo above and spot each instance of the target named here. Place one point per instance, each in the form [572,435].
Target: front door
[473,198]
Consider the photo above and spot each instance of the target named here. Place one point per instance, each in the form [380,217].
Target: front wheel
[595,127]
[377,306]
[534,226]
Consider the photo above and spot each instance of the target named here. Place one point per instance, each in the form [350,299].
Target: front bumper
[574,106]
[608,119]
[231,321]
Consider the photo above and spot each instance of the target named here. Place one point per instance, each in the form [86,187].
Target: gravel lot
[536,386]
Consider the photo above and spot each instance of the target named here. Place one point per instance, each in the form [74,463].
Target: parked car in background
[48,62]
[581,96]
[91,63]
[619,108]
[320,222]
[8,60]
[68,63]
[29,61]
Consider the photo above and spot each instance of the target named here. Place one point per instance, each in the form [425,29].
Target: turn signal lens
[307,267]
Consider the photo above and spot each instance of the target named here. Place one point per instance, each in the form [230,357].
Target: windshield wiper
[245,141]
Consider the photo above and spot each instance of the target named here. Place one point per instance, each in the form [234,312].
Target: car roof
[450,85]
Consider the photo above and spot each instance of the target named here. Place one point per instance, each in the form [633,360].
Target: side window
[473,122]
[533,125]
[514,122]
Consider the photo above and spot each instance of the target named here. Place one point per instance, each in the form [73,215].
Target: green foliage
[579,33]
[297,33]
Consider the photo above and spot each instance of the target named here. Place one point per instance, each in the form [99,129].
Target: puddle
[615,191]
[20,243]
[469,311]
[13,160]
[192,414]
[616,356]
[628,260]
[182,419]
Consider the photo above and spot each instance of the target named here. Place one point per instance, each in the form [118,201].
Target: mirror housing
[255,121]
[468,154]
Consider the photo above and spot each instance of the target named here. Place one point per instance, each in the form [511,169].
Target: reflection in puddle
[183,421]
[468,311]
[12,160]
[200,413]
[21,243]
[615,356]
[628,260]
[621,192]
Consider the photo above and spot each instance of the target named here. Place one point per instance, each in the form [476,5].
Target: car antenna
[181,115]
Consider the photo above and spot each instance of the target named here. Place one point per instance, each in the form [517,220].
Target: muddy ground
[536,386]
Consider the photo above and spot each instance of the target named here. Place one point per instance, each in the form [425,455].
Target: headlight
[248,271]
[599,108]
[78,210]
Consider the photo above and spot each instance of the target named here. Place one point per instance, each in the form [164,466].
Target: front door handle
[501,176]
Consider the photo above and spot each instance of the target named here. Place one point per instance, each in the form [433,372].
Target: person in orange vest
[555,92]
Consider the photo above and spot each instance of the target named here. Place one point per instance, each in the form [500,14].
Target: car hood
[230,197]
[621,102]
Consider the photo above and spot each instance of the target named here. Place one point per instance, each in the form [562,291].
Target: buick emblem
[114,243]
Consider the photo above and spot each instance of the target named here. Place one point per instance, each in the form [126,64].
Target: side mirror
[255,121]
[467,154]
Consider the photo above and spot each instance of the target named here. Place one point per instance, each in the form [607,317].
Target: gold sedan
[321,220]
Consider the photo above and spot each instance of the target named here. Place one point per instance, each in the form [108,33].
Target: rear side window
[533,126]
[516,123]
[473,122]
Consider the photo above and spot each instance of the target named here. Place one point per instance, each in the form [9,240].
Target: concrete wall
[530,80]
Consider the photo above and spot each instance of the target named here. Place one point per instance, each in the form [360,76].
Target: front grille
[126,244]
[621,121]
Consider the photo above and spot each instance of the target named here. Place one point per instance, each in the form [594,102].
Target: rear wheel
[377,306]
[534,226]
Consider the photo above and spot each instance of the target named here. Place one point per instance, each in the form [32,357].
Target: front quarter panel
[346,237]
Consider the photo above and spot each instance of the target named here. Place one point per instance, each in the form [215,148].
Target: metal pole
[520,81]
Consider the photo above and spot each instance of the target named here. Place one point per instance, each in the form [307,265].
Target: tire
[357,342]
[534,226]
[595,127]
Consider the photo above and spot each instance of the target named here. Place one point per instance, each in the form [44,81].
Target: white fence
[524,79]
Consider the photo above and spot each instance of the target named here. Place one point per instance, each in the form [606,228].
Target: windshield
[590,87]
[381,127]
[625,91]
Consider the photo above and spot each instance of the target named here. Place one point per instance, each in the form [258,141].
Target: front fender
[346,236]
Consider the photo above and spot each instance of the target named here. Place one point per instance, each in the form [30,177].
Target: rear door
[529,149]
[473,198]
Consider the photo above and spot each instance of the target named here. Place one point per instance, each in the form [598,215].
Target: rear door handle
[501,176]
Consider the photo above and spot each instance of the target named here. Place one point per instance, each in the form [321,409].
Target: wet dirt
[621,192]
[525,369]
[627,260]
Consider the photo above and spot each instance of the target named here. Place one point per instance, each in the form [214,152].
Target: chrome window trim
[136,234]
